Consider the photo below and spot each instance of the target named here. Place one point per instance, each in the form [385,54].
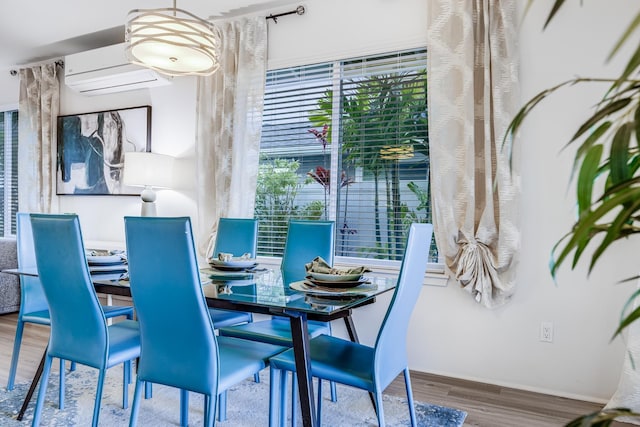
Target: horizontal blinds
[13,165]
[8,171]
[376,109]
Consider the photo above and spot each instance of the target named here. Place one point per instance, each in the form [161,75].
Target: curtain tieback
[475,267]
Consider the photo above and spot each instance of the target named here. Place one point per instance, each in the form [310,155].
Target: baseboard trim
[505,384]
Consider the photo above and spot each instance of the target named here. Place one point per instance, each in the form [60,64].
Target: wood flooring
[486,405]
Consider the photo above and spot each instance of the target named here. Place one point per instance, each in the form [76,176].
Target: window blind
[346,141]
[9,171]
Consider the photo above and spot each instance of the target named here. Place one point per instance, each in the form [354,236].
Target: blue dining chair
[235,236]
[305,240]
[358,365]
[33,303]
[181,349]
[79,330]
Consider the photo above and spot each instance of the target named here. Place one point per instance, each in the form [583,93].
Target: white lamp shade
[148,169]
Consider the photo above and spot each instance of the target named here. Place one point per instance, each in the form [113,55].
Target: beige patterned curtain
[229,124]
[38,110]
[473,95]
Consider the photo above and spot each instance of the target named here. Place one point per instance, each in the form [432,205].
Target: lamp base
[148,209]
[148,197]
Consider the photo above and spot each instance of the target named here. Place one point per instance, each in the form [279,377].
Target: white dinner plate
[104,259]
[325,277]
[337,284]
[311,289]
[239,263]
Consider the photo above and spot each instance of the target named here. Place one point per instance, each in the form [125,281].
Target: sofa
[9,283]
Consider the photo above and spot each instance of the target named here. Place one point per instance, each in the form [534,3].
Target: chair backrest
[32,296]
[78,325]
[391,344]
[305,241]
[236,236]
[177,343]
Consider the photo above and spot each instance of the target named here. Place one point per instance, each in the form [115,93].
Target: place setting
[227,267]
[104,262]
[322,280]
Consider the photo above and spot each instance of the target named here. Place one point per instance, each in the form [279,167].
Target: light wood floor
[486,405]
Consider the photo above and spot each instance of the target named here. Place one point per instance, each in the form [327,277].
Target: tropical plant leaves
[602,418]
[554,9]
[601,114]
[625,36]
[586,178]
[608,189]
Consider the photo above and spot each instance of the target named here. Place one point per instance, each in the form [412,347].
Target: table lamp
[148,170]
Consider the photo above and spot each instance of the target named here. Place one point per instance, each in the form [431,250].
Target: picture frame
[91,147]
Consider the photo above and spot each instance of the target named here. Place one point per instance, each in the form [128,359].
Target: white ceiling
[36,30]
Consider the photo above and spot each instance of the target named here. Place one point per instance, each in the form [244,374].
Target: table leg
[300,338]
[353,335]
[32,387]
[351,329]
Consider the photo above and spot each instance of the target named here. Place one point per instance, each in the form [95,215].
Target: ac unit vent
[106,70]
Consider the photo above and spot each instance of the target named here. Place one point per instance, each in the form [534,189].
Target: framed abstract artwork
[91,147]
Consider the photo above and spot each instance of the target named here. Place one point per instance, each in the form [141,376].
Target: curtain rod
[299,10]
[59,63]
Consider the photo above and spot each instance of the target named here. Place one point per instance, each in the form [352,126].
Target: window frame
[436,272]
[9,209]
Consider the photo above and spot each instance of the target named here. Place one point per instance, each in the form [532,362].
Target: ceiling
[37,30]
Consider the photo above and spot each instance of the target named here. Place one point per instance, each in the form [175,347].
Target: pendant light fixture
[172,41]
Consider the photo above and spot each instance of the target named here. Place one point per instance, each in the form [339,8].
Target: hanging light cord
[299,11]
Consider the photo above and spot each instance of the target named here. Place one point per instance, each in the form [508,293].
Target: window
[8,171]
[346,141]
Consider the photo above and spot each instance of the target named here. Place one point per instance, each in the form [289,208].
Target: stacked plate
[233,265]
[342,281]
[106,264]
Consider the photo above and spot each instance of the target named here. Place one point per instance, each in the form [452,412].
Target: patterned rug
[247,406]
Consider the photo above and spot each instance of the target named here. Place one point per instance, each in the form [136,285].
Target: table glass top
[266,288]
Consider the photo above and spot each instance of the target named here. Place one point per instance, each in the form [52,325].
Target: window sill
[434,276]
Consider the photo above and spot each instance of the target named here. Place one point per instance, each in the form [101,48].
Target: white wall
[449,333]
[172,132]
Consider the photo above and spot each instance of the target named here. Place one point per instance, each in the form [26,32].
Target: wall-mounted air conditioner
[106,70]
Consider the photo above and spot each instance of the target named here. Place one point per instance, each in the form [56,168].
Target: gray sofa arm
[9,284]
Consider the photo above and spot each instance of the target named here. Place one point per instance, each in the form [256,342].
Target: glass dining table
[263,291]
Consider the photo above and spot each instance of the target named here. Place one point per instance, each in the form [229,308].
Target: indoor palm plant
[606,175]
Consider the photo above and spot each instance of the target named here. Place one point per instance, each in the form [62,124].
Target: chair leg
[334,392]
[319,407]
[412,409]
[14,356]
[222,406]
[44,380]
[96,407]
[283,398]
[72,367]
[256,377]
[379,411]
[184,408]
[61,389]
[209,410]
[274,391]
[126,380]
[295,398]
[135,406]
[148,390]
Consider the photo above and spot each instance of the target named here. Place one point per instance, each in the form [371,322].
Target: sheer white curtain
[473,95]
[229,123]
[38,111]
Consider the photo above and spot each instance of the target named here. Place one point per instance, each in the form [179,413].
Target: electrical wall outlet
[546,332]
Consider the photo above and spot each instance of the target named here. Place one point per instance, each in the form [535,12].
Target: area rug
[247,406]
